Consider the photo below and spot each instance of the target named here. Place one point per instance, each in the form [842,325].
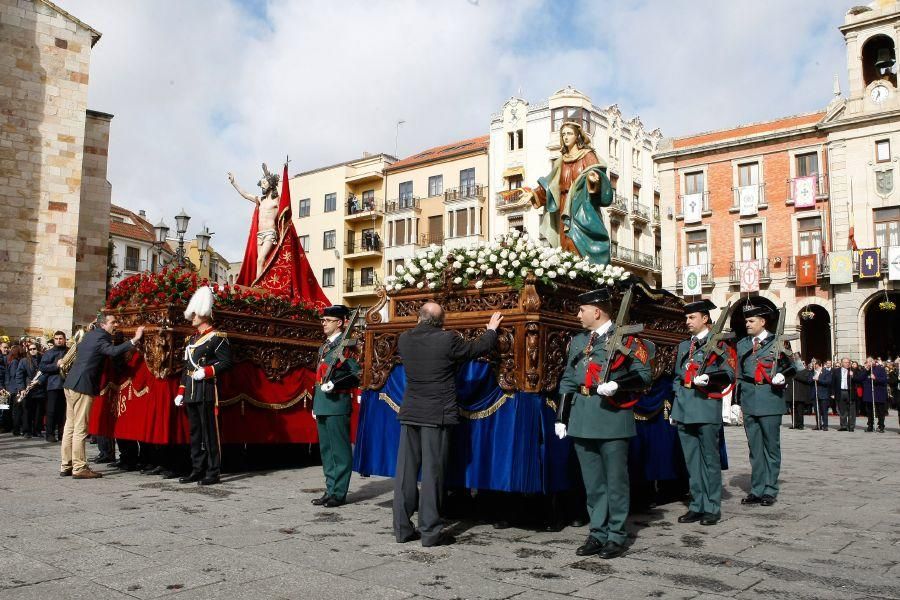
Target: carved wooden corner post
[531,346]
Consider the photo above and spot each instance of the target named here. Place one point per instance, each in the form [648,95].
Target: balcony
[657,219]
[465,192]
[822,269]
[706,275]
[360,286]
[640,213]
[633,257]
[703,198]
[358,209]
[619,206]
[367,247]
[757,191]
[765,275]
[820,188]
[427,239]
[511,200]
[402,204]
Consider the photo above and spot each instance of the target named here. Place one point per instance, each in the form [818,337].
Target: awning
[513,172]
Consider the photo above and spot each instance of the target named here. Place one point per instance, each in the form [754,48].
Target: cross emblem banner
[804,191]
[806,270]
[749,274]
[870,263]
[692,208]
[894,263]
[692,280]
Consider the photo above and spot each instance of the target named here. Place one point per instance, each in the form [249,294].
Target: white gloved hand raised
[199,375]
[608,389]
[778,379]
[327,386]
[560,430]
[701,380]
[179,400]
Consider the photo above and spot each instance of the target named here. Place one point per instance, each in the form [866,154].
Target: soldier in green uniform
[331,407]
[698,412]
[762,401]
[601,420]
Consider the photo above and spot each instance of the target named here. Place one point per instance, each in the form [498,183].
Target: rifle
[716,335]
[343,342]
[779,340]
[616,341]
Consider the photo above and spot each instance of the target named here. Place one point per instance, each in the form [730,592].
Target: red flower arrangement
[176,286]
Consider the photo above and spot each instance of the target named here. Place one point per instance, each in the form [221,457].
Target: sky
[203,87]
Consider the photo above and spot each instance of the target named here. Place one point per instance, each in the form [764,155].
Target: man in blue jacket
[56,399]
[873,378]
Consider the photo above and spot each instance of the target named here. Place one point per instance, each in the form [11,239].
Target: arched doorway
[738,325]
[815,332]
[883,326]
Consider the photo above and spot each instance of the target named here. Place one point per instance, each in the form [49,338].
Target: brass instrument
[24,393]
[69,359]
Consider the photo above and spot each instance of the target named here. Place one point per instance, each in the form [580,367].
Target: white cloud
[202,87]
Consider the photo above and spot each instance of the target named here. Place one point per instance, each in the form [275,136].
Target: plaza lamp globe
[162,231]
[181,222]
[203,240]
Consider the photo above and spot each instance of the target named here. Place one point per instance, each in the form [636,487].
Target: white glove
[313,414]
[327,386]
[701,380]
[560,430]
[608,389]
[179,400]
[199,375]
[778,379]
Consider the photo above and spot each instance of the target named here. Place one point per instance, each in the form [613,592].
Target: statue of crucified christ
[266,230]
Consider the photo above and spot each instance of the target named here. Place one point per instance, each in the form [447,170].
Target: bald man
[431,357]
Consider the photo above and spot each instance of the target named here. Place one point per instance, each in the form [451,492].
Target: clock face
[879,94]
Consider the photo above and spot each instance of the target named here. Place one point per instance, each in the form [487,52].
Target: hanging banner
[748,196]
[692,280]
[870,263]
[692,208]
[749,274]
[804,191]
[806,270]
[894,263]
[840,267]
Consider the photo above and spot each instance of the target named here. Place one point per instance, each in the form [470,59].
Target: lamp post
[162,233]
[181,226]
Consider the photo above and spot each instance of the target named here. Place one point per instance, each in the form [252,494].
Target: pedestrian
[16,408]
[697,412]
[799,387]
[763,370]
[601,417]
[873,379]
[431,356]
[332,404]
[82,384]
[844,394]
[56,398]
[820,392]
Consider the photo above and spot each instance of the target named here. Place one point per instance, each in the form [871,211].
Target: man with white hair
[207,354]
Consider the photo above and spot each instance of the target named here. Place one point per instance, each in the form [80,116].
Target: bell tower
[872,36]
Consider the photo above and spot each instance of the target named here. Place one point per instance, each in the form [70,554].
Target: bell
[884,59]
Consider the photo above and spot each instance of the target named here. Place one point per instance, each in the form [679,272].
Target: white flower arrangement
[475,265]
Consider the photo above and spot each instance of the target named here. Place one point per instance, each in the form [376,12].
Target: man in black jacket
[82,384]
[844,395]
[56,399]
[430,356]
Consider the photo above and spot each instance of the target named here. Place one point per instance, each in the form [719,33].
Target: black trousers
[206,451]
[19,413]
[427,448]
[880,412]
[846,409]
[56,412]
[799,409]
[33,414]
[106,447]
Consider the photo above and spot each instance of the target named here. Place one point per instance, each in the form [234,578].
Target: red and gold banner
[806,270]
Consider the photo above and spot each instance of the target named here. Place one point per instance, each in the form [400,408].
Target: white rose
[539,272]
[429,275]
[504,253]
[624,276]
[610,281]
[470,270]
[501,271]
[400,270]
[484,267]
[457,280]
[516,263]
[524,271]
[457,264]
[432,285]
[420,285]
[551,274]
[489,272]
[573,274]
[479,284]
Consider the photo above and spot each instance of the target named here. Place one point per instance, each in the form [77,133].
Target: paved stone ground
[835,533]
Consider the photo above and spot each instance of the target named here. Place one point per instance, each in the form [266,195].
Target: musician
[601,420]
[207,354]
[873,379]
[698,411]
[56,399]
[762,401]
[33,397]
[82,384]
[332,402]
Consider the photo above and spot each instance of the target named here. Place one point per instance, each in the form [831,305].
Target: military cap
[601,295]
[753,310]
[701,306]
[338,311]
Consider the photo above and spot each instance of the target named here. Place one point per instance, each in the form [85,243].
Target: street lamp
[203,239]
[181,226]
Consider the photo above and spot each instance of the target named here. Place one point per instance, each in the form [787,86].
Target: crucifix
[806,269]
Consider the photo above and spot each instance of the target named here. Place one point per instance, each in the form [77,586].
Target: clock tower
[872,36]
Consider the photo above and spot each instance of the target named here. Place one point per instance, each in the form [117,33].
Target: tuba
[69,359]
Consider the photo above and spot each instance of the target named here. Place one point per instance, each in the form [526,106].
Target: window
[636,157]
[748,174]
[693,183]
[393,264]
[328,277]
[570,113]
[516,222]
[368,200]
[751,242]
[614,234]
[367,276]
[883,150]
[809,234]
[514,182]
[330,202]
[459,223]
[467,182]
[435,185]
[520,139]
[399,232]
[406,193]
[516,139]
[613,147]
[697,247]
[303,208]
[328,240]
[637,239]
[807,164]
[370,240]
[132,258]
[887,226]
[304,242]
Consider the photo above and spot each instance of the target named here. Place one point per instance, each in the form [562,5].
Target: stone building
[54,197]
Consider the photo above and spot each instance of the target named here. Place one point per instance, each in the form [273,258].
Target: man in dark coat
[843,394]
[873,379]
[56,399]
[81,385]
[430,356]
